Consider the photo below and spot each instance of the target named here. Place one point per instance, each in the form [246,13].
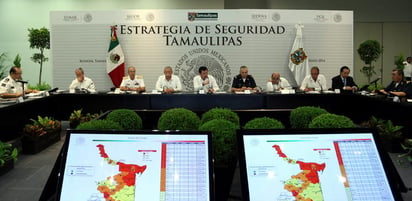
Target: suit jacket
[239,83]
[337,82]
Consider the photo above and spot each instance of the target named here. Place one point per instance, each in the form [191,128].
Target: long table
[358,107]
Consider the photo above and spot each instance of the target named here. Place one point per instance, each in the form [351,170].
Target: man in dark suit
[243,81]
[344,82]
[398,86]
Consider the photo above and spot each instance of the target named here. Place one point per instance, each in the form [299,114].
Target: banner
[222,40]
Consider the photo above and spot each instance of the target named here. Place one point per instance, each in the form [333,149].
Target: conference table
[13,116]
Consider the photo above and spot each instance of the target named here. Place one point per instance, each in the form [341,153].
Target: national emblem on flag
[298,62]
[115,59]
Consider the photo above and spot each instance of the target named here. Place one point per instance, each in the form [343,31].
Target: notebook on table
[315,164]
[136,165]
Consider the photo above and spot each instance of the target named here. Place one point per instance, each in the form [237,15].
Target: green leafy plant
[220,113]
[41,126]
[17,61]
[300,117]
[331,121]
[40,87]
[126,118]
[399,61]
[263,123]
[385,128]
[39,39]
[3,67]
[390,134]
[99,124]
[224,140]
[77,117]
[407,147]
[178,119]
[369,51]
[7,152]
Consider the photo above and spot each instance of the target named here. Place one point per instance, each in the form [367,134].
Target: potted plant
[263,123]
[331,121]
[300,117]
[77,117]
[178,119]
[99,124]
[220,113]
[407,147]
[8,155]
[369,51]
[224,152]
[128,119]
[390,134]
[39,39]
[41,133]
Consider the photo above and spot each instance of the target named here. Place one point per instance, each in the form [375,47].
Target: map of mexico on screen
[131,167]
[325,167]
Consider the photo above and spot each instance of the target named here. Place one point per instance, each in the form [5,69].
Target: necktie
[344,82]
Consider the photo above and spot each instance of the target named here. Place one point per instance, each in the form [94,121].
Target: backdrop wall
[223,41]
[392,19]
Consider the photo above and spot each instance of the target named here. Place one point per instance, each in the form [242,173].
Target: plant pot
[223,181]
[392,145]
[73,124]
[6,167]
[38,144]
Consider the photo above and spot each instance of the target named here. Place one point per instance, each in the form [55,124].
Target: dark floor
[26,181]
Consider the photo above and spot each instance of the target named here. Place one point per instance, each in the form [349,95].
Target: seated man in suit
[243,81]
[398,86]
[344,82]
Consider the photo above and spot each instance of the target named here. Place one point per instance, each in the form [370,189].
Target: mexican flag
[115,59]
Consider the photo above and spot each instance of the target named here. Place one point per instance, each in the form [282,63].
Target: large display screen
[136,166]
[343,166]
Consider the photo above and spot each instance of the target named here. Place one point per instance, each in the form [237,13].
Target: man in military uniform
[132,82]
[10,87]
[243,81]
[82,83]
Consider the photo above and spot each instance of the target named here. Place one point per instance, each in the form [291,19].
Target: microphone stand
[22,86]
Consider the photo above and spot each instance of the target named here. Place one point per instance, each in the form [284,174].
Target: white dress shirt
[318,85]
[283,84]
[407,70]
[136,82]
[173,83]
[198,83]
[86,84]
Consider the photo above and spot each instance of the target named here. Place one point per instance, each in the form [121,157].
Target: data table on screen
[184,171]
[364,171]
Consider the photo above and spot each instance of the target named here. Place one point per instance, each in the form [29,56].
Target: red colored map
[120,186]
[305,185]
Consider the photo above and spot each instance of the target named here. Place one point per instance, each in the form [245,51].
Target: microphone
[320,85]
[375,80]
[22,81]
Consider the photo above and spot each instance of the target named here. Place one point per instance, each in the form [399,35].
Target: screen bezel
[134,132]
[392,175]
